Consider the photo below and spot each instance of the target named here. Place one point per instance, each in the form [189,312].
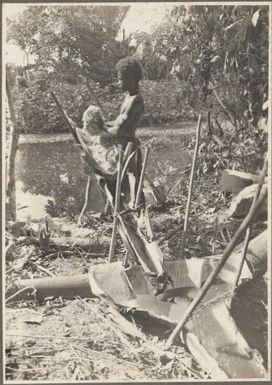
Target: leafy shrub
[162,103]
[37,113]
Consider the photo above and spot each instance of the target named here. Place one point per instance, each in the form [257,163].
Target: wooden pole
[202,292]
[141,180]
[14,140]
[186,220]
[117,204]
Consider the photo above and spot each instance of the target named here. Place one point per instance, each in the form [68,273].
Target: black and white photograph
[136,183]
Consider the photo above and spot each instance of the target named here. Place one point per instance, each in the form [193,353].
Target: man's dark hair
[130,66]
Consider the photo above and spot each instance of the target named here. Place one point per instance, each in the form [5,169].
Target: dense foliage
[220,56]
[200,58]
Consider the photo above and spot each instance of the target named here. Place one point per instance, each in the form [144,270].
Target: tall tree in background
[72,39]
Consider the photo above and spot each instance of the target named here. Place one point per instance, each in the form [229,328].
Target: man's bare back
[126,123]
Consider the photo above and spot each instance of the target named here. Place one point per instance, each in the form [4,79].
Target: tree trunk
[14,139]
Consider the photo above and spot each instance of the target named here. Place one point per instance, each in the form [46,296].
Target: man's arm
[125,119]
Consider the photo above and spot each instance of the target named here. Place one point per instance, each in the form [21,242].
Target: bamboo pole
[186,221]
[117,204]
[202,292]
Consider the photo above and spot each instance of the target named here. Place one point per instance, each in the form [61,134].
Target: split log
[234,181]
[241,203]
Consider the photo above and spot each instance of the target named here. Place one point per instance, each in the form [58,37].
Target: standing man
[122,129]
[132,109]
